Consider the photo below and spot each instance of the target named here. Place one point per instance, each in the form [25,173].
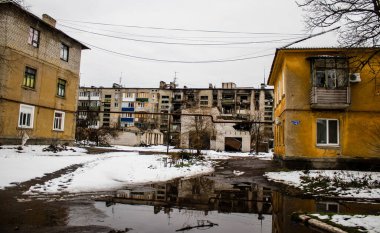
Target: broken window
[34,37]
[204,100]
[330,73]
[327,132]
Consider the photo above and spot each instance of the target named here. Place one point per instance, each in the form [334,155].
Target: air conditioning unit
[355,77]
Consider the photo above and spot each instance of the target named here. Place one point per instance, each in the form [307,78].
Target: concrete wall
[224,130]
[137,138]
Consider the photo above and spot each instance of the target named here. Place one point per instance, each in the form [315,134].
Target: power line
[187,38]
[182,29]
[179,43]
[177,61]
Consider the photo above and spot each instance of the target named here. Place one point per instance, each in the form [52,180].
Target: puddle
[202,204]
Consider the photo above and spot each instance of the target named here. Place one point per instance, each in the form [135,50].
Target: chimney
[210,85]
[49,20]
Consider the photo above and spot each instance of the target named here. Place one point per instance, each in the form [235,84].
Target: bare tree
[199,127]
[257,130]
[359,19]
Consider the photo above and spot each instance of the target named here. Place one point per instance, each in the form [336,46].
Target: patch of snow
[21,165]
[293,178]
[238,173]
[371,223]
[116,170]
[209,154]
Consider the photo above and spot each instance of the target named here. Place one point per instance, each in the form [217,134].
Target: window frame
[35,42]
[62,121]
[59,84]
[32,85]
[31,119]
[64,48]
[332,70]
[327,132]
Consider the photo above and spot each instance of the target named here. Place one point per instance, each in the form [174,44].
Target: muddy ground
[19,213]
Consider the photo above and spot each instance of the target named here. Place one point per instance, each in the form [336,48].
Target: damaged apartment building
[39,77]
[130,109]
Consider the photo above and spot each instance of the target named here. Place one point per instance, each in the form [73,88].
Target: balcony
[88,108]
[142,99]
[127,119]
[228,101]
[127,109]
[322,98]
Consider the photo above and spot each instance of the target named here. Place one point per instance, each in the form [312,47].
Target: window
[26,116]
[327,132]
[29,77]
[64,52]
[59,120]
[204,100]
[330,73]
[61,87]
[116,105]
[34,37]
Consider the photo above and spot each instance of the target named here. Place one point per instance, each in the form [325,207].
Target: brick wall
[16,24]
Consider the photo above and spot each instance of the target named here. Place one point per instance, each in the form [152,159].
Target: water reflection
[209,203]
[201,193]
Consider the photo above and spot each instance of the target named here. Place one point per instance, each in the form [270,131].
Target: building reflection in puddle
[208,203]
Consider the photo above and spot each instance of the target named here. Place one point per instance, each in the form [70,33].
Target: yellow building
[39,78]
[327,103]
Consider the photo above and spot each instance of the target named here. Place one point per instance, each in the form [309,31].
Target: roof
[14,3]
[320,42]
[326,39]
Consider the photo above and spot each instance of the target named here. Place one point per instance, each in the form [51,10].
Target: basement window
[327,132]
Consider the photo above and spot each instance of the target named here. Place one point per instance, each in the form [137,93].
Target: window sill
[332,147]
[64,60]
[61,97]
[24,128]
[58,130]
[29,88]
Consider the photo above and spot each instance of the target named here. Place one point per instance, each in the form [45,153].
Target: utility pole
[168,135]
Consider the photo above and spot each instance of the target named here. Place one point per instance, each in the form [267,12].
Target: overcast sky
[101,68]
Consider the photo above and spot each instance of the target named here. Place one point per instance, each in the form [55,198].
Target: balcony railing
[228,101]
[322,98]
[89,108]
[142,99]
[126,109]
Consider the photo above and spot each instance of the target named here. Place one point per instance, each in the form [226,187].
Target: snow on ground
[356,184]
[100,172]
[18,166]
[117,170]
[209,154]
[370,223]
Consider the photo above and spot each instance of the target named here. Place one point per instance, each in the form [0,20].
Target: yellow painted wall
[44,95]
[358,123]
